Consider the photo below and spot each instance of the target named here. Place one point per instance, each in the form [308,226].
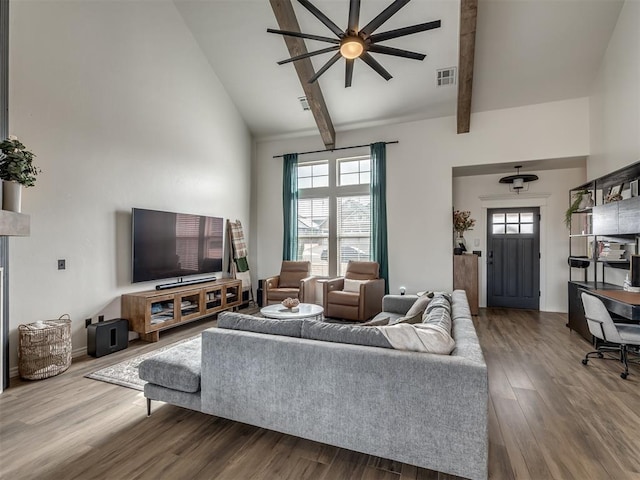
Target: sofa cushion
[177,368]
[339,297]
[239,321]
[340,333]
[377,320]
[279,294]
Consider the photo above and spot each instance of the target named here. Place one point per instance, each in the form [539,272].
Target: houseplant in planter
[581,199]
[16,170]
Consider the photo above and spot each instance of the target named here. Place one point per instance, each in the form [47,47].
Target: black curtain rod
[334,149]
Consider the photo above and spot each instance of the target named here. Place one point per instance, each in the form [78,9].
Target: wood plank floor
[550,418]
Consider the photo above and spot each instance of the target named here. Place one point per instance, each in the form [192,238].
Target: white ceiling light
[519,181]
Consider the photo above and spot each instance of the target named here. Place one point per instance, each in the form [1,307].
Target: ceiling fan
[357,42]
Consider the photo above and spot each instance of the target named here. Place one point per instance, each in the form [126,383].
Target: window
[334,213]
[512,223]
[313,233]
[354,171]
[313,175]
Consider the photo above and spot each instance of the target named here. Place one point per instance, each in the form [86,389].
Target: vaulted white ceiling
[527,52]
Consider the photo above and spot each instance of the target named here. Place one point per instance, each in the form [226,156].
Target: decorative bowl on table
[291,304]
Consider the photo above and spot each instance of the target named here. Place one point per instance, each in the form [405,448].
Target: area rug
[125,373]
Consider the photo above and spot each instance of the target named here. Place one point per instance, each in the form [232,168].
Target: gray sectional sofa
[295,377]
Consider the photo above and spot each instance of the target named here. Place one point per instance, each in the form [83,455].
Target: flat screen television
[168,244]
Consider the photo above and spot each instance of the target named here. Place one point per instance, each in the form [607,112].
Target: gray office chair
[617,337]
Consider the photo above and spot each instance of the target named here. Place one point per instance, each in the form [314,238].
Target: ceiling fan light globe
[351,47]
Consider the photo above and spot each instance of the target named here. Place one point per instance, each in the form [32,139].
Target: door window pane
[526,217]
[498,218]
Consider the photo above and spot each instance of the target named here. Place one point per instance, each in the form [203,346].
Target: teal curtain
[379,250]
[290,206]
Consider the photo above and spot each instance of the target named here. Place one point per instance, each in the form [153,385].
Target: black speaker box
[260,292]
[635,270]
[107,337]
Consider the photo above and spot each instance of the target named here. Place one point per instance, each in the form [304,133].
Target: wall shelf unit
[151,311]
[602,237]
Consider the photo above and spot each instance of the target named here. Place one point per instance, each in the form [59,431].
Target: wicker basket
[44,348]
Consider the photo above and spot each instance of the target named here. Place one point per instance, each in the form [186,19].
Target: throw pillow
[419,305]
[414,314]
[353,285]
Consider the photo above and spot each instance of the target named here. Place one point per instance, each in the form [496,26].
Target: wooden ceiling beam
[468,16]
[286,17]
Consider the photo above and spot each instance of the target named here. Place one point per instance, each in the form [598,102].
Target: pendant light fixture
[518,182]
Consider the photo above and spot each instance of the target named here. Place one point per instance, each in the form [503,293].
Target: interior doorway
[513,257]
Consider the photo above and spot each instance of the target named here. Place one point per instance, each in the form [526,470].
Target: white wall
[615,98]
[419,180]
[123,111]
[550,194]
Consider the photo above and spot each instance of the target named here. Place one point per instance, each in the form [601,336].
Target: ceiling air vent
[305,103]
[446,77]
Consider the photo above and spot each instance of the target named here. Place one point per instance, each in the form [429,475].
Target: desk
[625,304]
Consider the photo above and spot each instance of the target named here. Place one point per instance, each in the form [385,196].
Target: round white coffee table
[305,310]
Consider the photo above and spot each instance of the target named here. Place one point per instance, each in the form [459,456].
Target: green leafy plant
[16,162]
[574,207]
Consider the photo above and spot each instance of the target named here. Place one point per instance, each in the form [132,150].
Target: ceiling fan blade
[322,17]
[309,54]
[369,60]
[348,77]
[304,35]
[326,66]
[385,15]
[396,52]
[354,15]
[401,32]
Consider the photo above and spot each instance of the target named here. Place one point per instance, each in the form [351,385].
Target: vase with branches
[462,222]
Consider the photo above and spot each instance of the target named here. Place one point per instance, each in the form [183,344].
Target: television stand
[151,311]
[164,286]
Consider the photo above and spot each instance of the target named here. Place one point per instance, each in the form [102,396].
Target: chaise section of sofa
[418,408]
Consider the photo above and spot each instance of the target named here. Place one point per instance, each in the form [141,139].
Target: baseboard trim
[14,372]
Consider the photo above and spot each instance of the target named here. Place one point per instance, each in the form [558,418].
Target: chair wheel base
[624,375]
[585,361]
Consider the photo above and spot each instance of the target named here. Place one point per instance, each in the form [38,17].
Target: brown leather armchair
[357,296]
[294,281]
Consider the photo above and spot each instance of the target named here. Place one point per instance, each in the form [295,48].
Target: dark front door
[513,259]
